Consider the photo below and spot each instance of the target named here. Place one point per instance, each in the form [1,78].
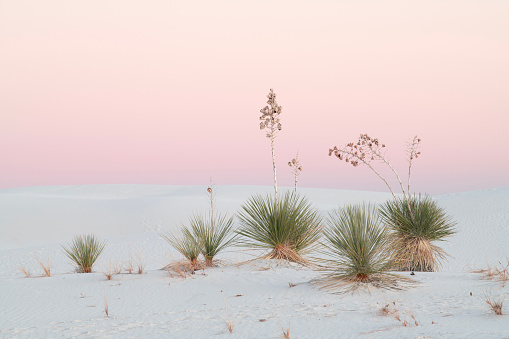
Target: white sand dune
[256,298]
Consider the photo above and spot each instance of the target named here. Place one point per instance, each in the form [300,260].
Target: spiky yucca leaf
[413,232]
[186,243]
[357,250]
[84,251]
[214,235]
[289,229]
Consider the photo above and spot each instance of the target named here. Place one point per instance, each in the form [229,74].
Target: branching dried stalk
[296,168]
[368,150]
[270,120]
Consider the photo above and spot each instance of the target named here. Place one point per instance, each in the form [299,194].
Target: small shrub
[414,230]
[288,228]
[358,250]
[84,252]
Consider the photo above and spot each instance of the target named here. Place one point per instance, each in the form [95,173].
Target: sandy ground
[256,298]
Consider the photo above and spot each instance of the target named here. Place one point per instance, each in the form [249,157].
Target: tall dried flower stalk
[270,120]
[212,196]
[368,150]
[296,168]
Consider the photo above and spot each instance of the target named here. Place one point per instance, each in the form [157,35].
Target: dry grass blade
[25,271]
[45,267]
[286,333]
[141,267]
[130,265]
[106,307]
[499,273]
[229,325]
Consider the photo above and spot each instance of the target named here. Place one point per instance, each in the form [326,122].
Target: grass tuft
[414,230]
[495,305]
[288,228]
[84,252]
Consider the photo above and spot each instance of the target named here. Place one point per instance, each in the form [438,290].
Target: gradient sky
[169,92]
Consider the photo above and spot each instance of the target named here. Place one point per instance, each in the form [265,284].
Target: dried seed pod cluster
[364,150]
[296,168]
[270,115]
[295,164]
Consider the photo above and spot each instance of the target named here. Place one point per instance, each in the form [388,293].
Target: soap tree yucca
[287,228]
[415,220]
[357,251]
[84,252]
[213,235]
[413,232]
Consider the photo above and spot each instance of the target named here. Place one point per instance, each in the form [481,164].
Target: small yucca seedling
[84,252]
[289,228]
[214,231]
[414,230]
[357,251]
[186,243]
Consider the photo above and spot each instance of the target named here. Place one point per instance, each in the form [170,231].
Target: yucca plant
[288,228]
[357,250]
[84,251]
[414,230]
[186,243]
[214,234]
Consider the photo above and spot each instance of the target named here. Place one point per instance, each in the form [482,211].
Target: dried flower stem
[296,168]
[270,120]
[369,149]
[413,154]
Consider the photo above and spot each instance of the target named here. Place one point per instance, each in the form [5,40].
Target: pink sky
[169,92]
